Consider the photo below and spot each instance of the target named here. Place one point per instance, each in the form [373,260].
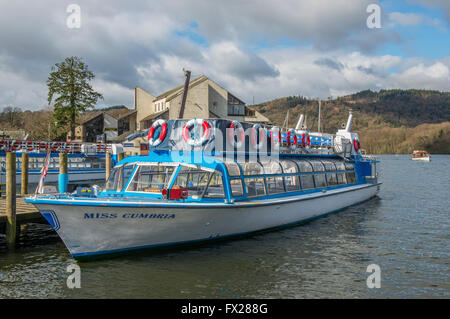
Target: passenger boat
[210,179]
[85,161]
[421,156]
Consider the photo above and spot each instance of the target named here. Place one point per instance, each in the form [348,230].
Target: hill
[384,114]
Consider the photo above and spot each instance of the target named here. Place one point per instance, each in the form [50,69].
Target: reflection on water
[405,231]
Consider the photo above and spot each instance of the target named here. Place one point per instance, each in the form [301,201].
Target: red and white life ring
[275,136]
[14,145]
[152,141]
[236,126]
[197,141]
[261,136]
[290,133]
[356,145]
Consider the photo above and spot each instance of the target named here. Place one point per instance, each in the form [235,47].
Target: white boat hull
[92,230]
[421,159]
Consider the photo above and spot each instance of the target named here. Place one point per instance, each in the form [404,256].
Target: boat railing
[53,146]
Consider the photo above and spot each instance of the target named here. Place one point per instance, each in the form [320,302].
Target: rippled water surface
[406,231]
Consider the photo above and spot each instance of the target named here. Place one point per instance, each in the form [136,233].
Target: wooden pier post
[108,164]
[63,178]
[24,175]
[11,227]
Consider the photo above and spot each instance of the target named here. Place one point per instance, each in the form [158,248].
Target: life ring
[68,147]
[290,133]
[262,136]
[152,141]
[45,146]
[14,146]
[53,148]
[196,141]
[357,145]
[236,125]
[303,139]
[308,140]
[29,145]
[275,139]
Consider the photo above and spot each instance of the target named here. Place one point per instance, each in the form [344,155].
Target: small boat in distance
[423,156]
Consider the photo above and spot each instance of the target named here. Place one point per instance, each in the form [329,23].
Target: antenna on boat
[187,74]
[348,127]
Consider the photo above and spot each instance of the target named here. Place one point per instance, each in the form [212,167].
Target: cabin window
[351,178]
[114,182]
[275,185]
[292,183]
[349,166]
[252,168]
[199,182]
[329,166]
[341,178]
[340,166]
[255,186]
[320,180]
[151,178]
[332,179]
[317,166]
[236,188]
[304,166]
[307,181]
[214,187]
[289,167]
[233,168]
[272,167]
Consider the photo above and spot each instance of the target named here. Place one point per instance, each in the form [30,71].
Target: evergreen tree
[69,88]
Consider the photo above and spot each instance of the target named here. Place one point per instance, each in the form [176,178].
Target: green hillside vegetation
[389,121]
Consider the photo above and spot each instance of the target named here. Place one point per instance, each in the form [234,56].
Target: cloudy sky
[258,49]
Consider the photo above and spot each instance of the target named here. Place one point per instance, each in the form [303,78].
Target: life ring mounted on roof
[236,126]
[194,139]
[154,140]
[291,133]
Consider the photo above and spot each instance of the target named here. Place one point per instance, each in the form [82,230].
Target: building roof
[169,95]
[154,115]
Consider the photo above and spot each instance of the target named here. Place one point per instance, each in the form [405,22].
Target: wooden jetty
[13,209]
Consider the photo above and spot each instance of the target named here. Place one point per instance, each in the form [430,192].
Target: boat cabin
[219,179]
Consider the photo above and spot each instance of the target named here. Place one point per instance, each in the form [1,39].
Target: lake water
[406,231]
